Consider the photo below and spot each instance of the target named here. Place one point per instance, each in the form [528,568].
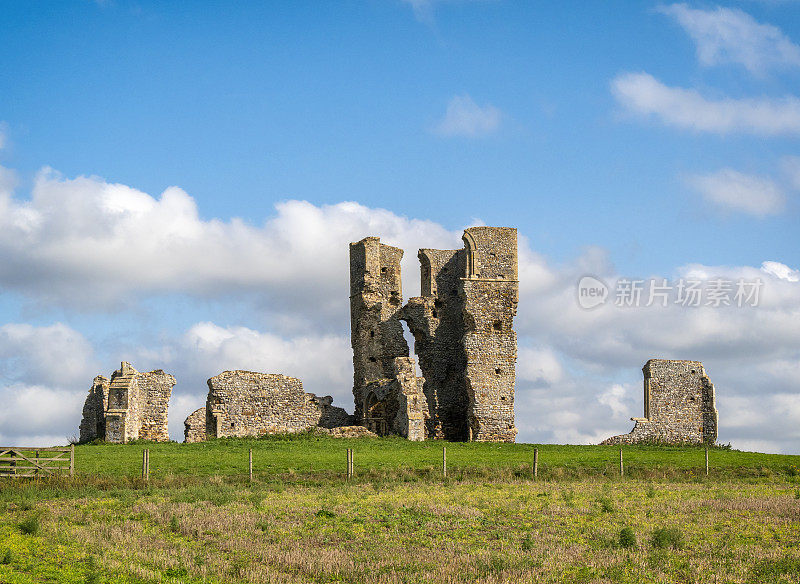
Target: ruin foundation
[246,403]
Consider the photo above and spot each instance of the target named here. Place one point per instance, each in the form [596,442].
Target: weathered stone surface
[463,331]
[490,294]
[247,403]
[679,405]
[436,321]
[388,395]
[348,432]
[194,426]
[131,406]
[93,424]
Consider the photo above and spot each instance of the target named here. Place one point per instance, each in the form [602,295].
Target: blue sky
[180,182]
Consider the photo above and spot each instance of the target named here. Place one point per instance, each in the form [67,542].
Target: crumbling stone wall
[463,331]
[132,405]
[436,321]
[388,396]
[93,423]
[679,405]
[194,427]
[397,405]
[246,403]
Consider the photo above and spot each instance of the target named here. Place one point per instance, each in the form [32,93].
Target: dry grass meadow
[481,524]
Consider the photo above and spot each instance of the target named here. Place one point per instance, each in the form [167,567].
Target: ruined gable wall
[93,422]
[194,427]
[155,390]
[246,403]
[490,294]
[122,416]
[436,321]
[679,405]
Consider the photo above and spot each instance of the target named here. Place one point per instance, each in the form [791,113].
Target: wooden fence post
[349,463]
[621,467]
[146,464]
[71,460]
[706,460]
[535,463]
[250,456]
[444,461]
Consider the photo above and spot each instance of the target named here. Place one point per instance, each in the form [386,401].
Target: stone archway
[375,415]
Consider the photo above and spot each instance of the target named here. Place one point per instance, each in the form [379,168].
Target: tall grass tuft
[667,537]
[627,538]
[30,525]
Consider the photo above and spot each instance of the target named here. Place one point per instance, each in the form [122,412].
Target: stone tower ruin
[679,406]
[464,338]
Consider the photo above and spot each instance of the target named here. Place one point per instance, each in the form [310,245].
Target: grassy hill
[199,518]
[322,456]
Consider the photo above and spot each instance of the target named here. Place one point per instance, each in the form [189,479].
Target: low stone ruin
[463,330]
[246,403]
[129,406]
[679,406]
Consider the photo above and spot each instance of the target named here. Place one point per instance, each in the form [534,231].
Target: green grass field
[199,518]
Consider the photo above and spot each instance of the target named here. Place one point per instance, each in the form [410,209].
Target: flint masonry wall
[462,326]
[246,403]
[388,396]
[490,294]
[93,423]
[194,426]
[129,406]
[679,405]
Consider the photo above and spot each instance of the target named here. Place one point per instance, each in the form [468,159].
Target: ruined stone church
[462,324]
[464,338]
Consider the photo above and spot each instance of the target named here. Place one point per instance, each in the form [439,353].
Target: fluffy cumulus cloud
[43,377]
[643,95]
[89,243]
[728,35]
[730,190]
[86,242]
[464,117]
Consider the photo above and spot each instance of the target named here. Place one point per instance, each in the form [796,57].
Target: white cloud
[781,271]
[728,35]
[88,243]
[790,165]
[731,190]
[642,94]
[44,376]
[464,117]
[54,355]
[618,399]
[539,366]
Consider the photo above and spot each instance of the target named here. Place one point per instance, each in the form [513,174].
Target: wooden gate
[21,461]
